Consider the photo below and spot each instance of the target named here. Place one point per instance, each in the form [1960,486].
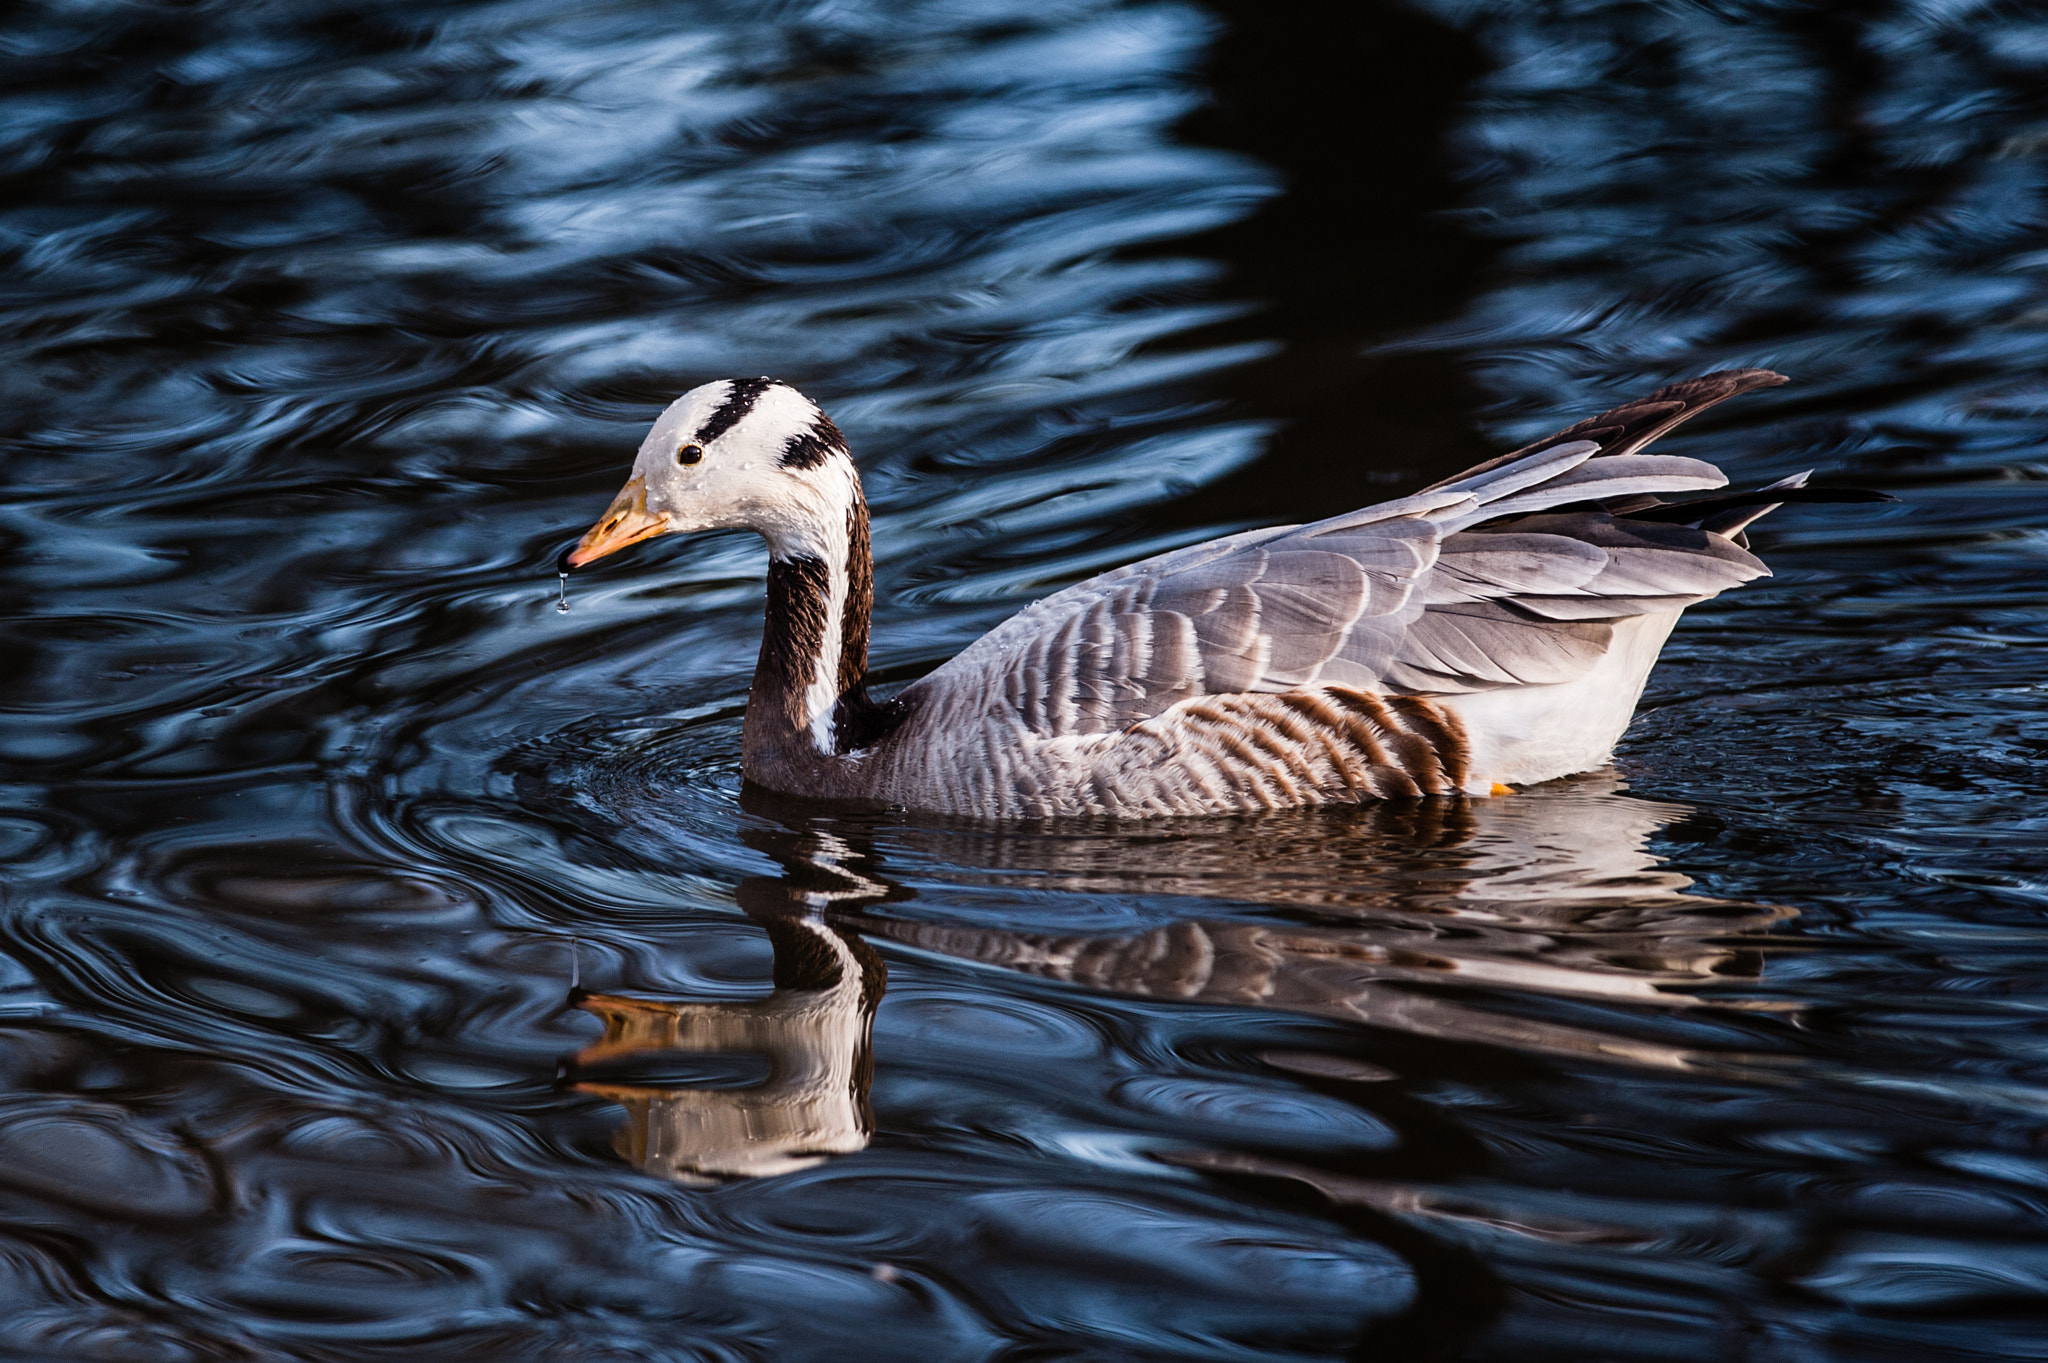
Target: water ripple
[393,966]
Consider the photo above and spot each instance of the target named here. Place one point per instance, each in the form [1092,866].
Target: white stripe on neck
[820,533]
[821,697]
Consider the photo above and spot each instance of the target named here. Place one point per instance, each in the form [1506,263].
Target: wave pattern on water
[392,966]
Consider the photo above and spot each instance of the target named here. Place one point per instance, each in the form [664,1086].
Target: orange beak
[626,521]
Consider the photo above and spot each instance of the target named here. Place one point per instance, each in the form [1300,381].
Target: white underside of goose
[1537,733]
[1494,630]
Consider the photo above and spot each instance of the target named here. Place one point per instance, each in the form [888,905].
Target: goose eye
[689,454]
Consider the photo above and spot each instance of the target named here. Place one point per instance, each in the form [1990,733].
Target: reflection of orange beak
[626,521]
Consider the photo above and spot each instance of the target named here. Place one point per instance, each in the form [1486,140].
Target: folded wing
[1512,574]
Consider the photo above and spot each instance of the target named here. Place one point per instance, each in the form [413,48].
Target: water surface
[392,967]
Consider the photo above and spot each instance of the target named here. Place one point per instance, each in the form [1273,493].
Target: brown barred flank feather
[1297,747]
[1442,731]
[1423,744]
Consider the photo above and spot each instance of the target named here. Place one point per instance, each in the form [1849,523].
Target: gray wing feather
[1648,558]
[1479,645]
[1502,577]
[1598,478]
[1527,471]
[1481,567]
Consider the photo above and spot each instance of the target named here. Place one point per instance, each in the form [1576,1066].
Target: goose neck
[814,646]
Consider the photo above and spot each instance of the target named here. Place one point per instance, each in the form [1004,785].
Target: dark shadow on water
[1352,105]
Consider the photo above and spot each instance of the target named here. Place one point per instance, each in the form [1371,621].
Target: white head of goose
[1491,630]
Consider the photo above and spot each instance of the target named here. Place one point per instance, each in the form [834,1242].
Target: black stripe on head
[815,446]
[745,393]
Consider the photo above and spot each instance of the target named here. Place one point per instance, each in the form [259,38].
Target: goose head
[751,454]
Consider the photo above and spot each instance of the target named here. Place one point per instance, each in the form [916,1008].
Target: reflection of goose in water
[812,1030]
[1551,892]
[1400,915]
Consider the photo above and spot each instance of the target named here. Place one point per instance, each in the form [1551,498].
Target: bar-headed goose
[1490,630]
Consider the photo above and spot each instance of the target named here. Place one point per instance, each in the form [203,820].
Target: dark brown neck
[809,701]
[857,612]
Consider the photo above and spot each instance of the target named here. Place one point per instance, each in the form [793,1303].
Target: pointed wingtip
[1707,390]
[1744,379]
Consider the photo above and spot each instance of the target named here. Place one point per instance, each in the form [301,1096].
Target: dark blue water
[391,967]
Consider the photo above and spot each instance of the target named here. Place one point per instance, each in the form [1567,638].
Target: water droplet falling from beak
[562,572]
